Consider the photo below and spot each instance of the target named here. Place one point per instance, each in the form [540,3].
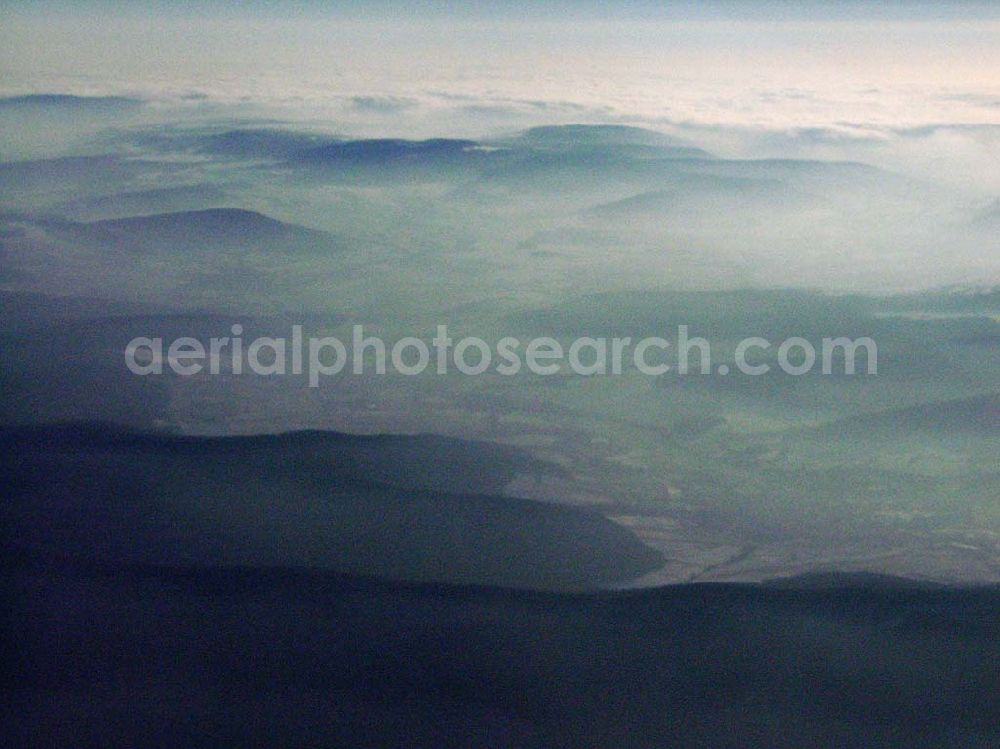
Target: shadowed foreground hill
[139,656]
[409,508]
[180,591]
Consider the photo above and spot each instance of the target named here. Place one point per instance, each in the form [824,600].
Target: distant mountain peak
[388,150]
[592,134]
[68,101]
[206,219]
[236,228]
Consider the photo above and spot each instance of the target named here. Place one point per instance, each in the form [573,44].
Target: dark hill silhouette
[68,102]
[126,655]
[314,500]
[257,143]
[204,230]
[265,143]
[389,151]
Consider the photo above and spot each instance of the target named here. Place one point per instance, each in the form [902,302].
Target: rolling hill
[376,506]
[203,230]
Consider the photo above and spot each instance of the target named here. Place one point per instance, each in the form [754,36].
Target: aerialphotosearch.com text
[319,357]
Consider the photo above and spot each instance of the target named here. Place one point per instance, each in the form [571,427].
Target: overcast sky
[781,64]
